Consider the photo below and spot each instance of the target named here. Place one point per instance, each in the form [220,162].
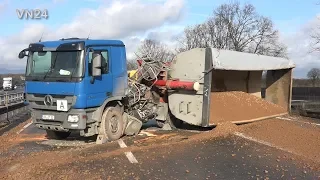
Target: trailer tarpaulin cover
[233,60]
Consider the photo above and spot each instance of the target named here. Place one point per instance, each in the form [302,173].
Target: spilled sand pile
[221,131]
[240,106]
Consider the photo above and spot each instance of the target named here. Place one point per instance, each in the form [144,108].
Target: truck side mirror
[22,54]
[96,64]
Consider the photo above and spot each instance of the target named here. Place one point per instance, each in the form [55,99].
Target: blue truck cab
[69,83]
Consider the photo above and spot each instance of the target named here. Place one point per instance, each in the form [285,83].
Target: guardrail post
[7,106]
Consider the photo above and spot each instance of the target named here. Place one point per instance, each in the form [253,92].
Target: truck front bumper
[59,121]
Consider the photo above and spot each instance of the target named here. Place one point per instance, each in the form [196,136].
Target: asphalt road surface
[153,154]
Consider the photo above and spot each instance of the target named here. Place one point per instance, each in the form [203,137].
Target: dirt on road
[300,138]
[297,137]
[10,138]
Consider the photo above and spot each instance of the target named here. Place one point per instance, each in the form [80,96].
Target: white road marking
[24,127]
[122,144]
[129,154]
[283,118]
[288,119]
[265,143]
[146,133]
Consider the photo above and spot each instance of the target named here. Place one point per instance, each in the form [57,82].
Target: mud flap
[101,139]
[166,127]
[133,125]
[162,111]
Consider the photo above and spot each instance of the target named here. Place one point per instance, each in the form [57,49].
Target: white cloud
[3,6]
[128,20]
[298,44]
[123,18]
[132,21]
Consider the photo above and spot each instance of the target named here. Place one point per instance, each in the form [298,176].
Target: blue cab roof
[87,42]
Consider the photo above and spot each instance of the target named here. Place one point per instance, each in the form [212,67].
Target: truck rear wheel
[57,134]
[112,123]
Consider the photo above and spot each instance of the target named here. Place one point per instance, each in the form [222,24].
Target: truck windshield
[55,65]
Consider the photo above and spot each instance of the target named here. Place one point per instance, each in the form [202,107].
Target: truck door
[101,89]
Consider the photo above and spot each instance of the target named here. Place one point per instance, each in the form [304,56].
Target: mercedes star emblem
[48,100]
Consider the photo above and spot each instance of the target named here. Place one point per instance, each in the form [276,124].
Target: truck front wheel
[112,123]
[57,134]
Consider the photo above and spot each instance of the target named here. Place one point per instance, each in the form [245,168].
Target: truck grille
[36,101]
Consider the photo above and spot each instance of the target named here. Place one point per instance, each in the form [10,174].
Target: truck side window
[104,63]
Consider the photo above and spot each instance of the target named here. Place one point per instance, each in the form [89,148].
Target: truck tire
[112,123]
[57,134]
[174,122]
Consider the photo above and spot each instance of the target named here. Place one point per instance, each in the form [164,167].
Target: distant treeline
[297,83]
[304,83]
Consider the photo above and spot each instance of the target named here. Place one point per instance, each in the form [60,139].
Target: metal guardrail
[8,99]
[306,106]
[11,103]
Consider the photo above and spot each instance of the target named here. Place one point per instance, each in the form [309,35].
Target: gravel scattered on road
[300,138]
[10,138]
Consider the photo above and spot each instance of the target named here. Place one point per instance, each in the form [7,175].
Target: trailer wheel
[174,122]
[57,134]
[112,123]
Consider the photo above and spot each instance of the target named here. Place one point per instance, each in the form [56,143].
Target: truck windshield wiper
[77,64]
[51,67]
[61,80]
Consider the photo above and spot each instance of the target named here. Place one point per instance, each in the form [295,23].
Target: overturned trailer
[222,71]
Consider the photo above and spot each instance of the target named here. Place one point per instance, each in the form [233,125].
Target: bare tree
[315,39]
[314,75]
[155,50]
[315,36]
[195,37]
[238,28]
[132,64]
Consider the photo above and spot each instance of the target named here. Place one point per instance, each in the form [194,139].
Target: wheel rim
[114,124]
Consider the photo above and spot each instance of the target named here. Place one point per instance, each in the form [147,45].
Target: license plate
[62,105]
[48,117]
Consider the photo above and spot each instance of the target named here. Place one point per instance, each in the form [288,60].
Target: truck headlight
[73,118]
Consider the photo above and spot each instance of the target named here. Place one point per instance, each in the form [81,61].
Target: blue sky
[284,12]
[289,16]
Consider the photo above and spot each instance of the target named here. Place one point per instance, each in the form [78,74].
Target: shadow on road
[153,125]
[76,136]
[14,122]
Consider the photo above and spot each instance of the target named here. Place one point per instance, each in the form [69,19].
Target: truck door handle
[181,107]
[188,108]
